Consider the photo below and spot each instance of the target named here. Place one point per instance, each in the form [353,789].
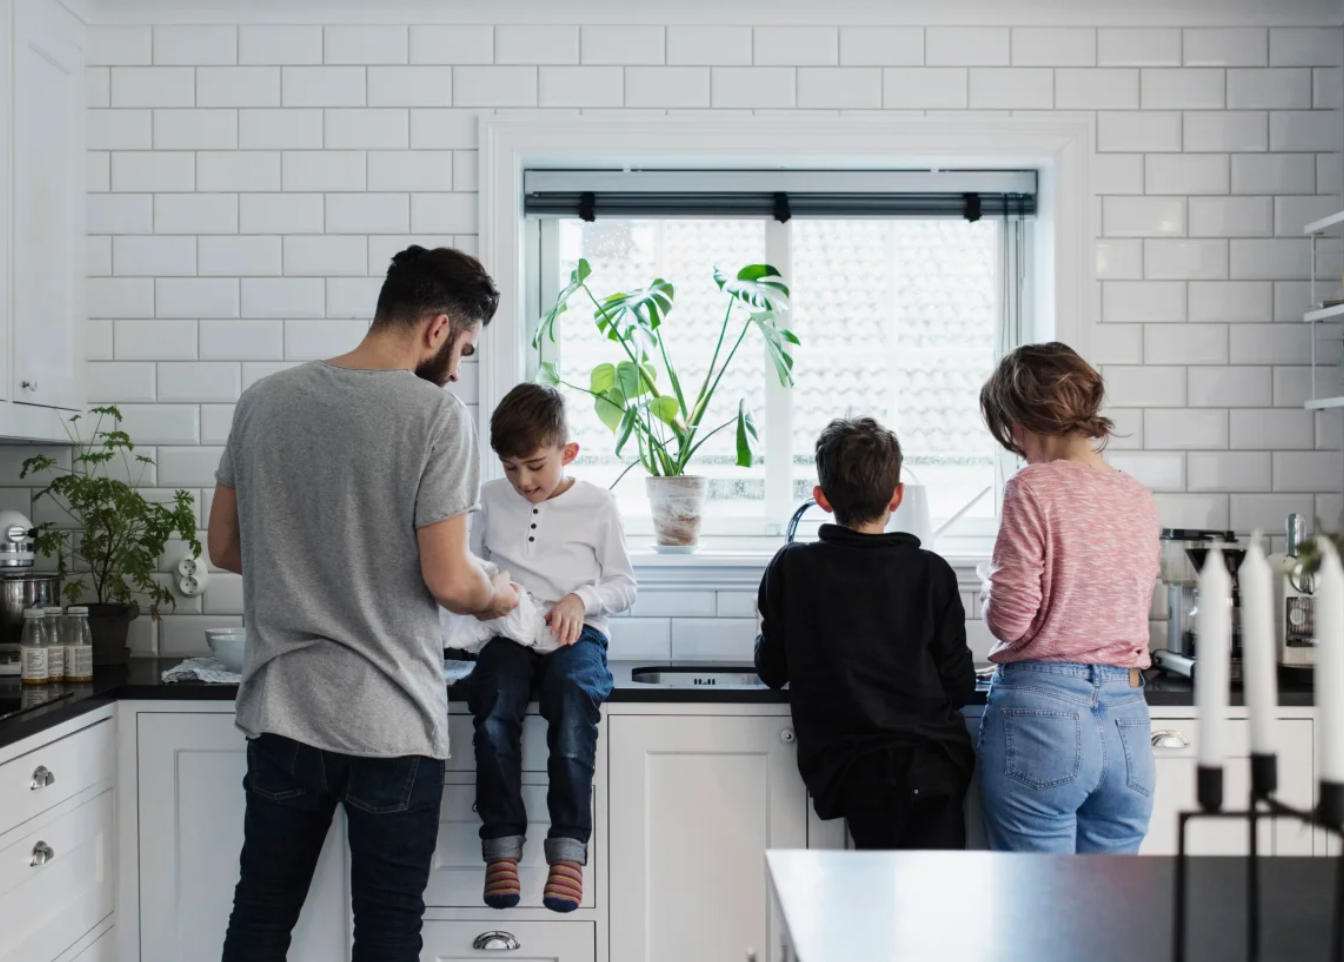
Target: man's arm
[454,578]
[772,663]
[224,540]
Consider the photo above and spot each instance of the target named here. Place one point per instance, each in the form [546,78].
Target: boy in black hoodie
[869,633]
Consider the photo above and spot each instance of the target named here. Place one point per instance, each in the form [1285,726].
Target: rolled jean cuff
[566,850]
[511,846]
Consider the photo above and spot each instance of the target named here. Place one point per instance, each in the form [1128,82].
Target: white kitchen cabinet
[694,802]
[1175,741]
[534,941]
[191,804]
[42,219]
[57,878]
[103,950]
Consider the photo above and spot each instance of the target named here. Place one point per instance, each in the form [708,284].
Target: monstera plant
[654,415]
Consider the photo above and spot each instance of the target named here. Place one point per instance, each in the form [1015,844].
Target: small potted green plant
[644,401]
[118,534]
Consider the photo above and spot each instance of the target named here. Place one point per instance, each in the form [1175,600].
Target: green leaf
[548,373]
[777,343]
[602,379]
[665,409]
[620,315]
[756,285]
[546,328]
[610,406]
[631,383]
[746,435]
[628,422]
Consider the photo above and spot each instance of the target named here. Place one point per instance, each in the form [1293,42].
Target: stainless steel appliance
[20,586]
[1294,606]
[1184,551]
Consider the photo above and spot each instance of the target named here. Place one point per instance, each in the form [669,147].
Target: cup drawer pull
[496,942]
[42,854]
[1170,738]
[42,778]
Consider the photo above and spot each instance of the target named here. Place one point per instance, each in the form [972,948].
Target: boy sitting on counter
[869,633]
[562,541]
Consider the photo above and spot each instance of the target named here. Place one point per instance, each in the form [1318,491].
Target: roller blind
[781,195]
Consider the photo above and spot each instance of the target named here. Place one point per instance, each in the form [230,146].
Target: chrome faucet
[792,531]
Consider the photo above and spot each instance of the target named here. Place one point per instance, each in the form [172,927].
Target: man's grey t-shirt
[335,471]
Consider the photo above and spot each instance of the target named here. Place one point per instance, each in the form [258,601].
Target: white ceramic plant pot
[677,505]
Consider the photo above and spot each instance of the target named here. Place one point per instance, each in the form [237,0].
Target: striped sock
[564,886]
[502,890]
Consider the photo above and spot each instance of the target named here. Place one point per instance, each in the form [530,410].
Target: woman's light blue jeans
[1065,759]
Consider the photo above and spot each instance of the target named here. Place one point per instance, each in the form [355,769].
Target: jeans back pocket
[1140,766]
[271,768]
[1043,749]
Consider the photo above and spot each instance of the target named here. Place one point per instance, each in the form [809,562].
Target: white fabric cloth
[202,669]
[571,544]
[525,624]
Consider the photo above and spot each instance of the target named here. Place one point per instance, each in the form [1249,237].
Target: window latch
[972,209]
[588,206]
[781,208]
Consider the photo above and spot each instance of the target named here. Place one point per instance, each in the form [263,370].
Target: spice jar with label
[78,641]
[51,622]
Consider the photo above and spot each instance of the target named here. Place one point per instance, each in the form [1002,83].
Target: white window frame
[1063,255]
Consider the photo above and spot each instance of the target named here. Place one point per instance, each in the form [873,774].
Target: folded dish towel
[525,625]
[202,669]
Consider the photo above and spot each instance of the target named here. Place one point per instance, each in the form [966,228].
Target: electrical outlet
[193,575]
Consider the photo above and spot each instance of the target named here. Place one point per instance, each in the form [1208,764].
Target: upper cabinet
[42,261]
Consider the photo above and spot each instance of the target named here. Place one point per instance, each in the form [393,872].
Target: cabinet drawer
[463,757]
[457,873]
[46,908]
[104,950]
[534,941]
[47,776]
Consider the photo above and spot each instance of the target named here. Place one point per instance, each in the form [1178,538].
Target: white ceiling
[917,12]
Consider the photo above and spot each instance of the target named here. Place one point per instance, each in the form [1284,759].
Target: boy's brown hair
[531,417]
[1046,389]
[858,468]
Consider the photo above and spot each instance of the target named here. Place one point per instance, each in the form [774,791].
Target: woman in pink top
[1065,759]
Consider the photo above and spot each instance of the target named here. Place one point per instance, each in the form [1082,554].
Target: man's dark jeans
[571,684]
[392,809]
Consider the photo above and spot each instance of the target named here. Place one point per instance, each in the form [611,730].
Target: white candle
[1213,665]
[1258,659]
[1330,665]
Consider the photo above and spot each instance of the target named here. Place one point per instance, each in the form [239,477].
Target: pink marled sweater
[1074,567]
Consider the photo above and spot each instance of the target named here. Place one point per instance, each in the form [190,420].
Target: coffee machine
[1294,606]
[1184,551]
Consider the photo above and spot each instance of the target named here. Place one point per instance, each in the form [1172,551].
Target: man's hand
[566,619]
[505,599]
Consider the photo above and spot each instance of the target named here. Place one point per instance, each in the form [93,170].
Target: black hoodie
[869,633]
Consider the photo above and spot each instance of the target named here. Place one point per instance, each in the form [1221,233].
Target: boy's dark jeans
[571,684]
[392,809]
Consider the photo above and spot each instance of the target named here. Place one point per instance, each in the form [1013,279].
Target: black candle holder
[1328,815]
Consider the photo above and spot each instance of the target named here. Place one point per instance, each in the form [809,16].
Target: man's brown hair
[1046,389]
[531,417]
[858,468]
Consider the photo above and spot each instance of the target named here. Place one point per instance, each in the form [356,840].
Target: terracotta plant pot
[109,625]
[678,504]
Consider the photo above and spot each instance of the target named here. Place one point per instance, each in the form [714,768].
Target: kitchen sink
[690,676]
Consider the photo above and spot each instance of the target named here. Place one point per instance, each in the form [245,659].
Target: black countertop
[142,680]
[995,907]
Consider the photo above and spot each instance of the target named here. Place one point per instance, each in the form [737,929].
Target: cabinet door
[104,950]
[569,941]
[191,769]
[695,802]
[57,882]
[1175,749]
[48,259]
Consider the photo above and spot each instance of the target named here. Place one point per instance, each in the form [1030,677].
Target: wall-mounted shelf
[1331,315]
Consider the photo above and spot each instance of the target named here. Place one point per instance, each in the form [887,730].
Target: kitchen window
[906,288]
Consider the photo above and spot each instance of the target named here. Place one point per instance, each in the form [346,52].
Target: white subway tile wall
[248,185]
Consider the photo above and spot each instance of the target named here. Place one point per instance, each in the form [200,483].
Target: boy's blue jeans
[571,684]
[1065,758]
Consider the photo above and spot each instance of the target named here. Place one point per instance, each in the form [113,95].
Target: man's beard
[437,368]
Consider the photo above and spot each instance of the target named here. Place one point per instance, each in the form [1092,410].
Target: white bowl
[227,645]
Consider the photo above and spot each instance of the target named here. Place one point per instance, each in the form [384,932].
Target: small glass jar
[78,641]
[51,621]
[34,648]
